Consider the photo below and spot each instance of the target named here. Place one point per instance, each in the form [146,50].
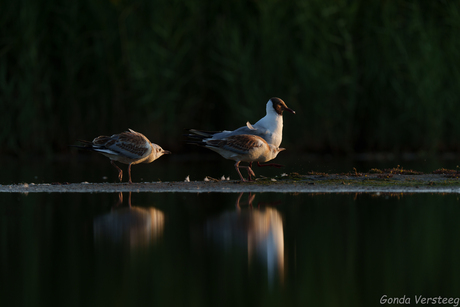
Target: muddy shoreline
[293,183]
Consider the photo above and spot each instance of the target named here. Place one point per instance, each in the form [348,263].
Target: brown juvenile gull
[269,127]
[129,147]
[242,148]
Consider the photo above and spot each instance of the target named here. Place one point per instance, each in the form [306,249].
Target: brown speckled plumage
[129,147]
[238,143]
[243,147]
[269,127]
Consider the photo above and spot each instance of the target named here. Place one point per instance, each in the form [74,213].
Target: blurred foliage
[361,76]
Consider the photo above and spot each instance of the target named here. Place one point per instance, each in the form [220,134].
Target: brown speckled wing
[131,144]
[102,140]
[240,144]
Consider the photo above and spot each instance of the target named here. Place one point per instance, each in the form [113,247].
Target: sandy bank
[432,183]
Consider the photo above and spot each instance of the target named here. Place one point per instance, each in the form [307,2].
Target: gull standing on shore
[129,147]
[242,148]
[269,127]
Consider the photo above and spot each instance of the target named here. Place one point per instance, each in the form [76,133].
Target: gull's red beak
[289,110]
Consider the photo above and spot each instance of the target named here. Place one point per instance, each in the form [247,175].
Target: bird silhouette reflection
[129,225]
[258,229]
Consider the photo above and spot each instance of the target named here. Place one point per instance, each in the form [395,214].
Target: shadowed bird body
[242,147]
[129,147]
[269,128]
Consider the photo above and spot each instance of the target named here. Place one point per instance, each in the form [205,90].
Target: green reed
[361,76]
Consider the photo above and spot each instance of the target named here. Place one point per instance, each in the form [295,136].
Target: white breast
[272,123]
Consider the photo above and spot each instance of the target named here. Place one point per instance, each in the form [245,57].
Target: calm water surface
[219,249]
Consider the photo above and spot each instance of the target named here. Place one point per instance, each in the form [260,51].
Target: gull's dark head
[279,106]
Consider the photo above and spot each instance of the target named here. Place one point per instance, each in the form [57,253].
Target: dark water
[174,249]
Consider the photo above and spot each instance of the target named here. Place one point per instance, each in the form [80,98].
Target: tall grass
[361,76]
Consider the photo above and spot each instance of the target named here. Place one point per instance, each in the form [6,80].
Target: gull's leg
[249,169]
[250,172]
[129,173]
[120,172]
[238,170]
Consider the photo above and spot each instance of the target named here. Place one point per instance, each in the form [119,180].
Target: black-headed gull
[269,127]
[129,147]
[242,147]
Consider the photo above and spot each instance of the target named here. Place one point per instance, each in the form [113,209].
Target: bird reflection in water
[132,226]
[260,230]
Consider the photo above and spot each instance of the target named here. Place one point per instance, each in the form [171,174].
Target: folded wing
[130,144]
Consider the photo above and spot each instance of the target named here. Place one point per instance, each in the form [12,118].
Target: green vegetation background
[361,75]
